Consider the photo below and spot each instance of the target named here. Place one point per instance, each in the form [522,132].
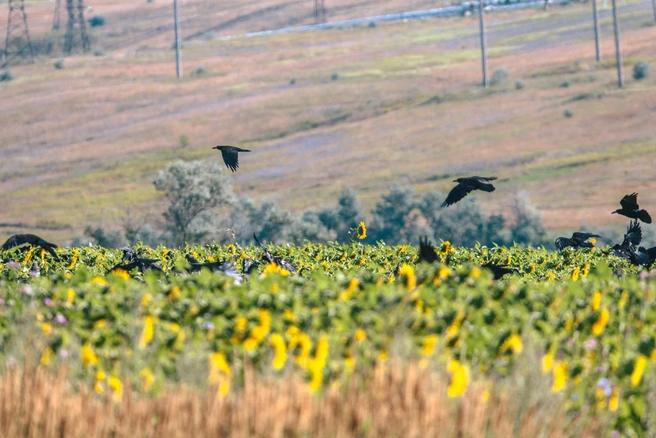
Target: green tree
[527,228]
[193,190]
[392,215]
[344,217]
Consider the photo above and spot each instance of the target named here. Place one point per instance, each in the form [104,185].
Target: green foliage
[6,76]
[106,239]
[59,64]
[392,221]
[97,21]
[528,228]
[184,141]
[352,300]
[641,70]
[193,190]
[343,218]
[499,76]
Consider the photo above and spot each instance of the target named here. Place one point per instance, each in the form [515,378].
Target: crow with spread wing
[133,260]
[467,185]
[31,239]
[230,156]
[632,239]
[284,264]
[644,257]
[631,209]
[225,267]
[578,240]
[426,251]
[248,266]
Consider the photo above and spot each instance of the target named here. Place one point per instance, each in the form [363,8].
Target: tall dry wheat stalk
[392,401]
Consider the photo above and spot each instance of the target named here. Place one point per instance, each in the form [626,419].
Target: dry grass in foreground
[395,401]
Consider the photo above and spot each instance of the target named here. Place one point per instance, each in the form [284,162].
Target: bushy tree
[527,228]
[464,223]
[105,238]
[344,217]
[193,190]
[391,216]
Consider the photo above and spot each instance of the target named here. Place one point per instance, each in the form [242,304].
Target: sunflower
[362,231]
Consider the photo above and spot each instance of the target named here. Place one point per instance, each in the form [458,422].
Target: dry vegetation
[397,401]
[80,145]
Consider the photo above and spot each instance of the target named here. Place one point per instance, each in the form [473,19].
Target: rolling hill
[323,110]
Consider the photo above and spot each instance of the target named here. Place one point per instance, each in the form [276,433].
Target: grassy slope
[81,145]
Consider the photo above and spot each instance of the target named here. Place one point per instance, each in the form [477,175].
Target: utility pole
[653,5]
[76,19]
[481,14]
[618,54]
[595,16]
[18,42]
[178,60]
[319,11]
[56,23]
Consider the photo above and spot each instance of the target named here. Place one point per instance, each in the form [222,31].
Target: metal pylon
[319,11]
[56,21]
[76,22]
[17,44]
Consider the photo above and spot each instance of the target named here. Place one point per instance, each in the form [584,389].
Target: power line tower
[56,23]
[76,21]
[18,42]
[319,11]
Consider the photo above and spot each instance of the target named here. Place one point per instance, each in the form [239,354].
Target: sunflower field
[586,318]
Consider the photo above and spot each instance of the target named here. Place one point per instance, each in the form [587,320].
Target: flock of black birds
[628,249]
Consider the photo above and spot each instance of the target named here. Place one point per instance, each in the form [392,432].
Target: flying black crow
[631,209]
[578,240]
[466,185]
[31,239]
[226,267]
[133,260]
[632,239]
[230,157]
[426,251]
[284,264]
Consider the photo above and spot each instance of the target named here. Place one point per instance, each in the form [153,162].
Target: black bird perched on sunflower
[632,239]
[31,239]
[284,264]
[578,240]
[466,186]
[631,209]
[230,155]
